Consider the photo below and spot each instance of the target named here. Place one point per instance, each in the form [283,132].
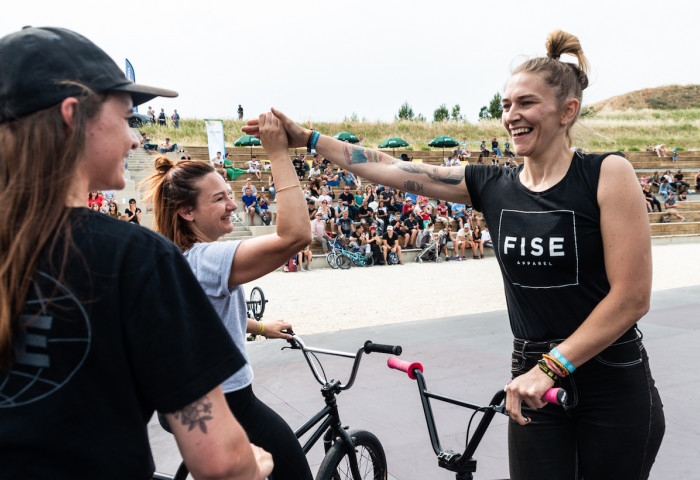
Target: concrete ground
[465,357]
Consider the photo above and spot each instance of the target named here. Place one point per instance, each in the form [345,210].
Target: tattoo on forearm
[355,155]
[196,414]
[413,187]
[449,176]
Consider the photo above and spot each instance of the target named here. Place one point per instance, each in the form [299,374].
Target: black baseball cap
[39,67]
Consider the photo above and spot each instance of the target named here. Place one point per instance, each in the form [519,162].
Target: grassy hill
[669,115]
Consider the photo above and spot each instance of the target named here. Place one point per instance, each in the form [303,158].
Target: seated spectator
[254,167]
[365,213]
[494,148]
[411,226]
[476,241]
[661,150]
[360,239]
[390,243]
[404,157]
[300,166]
[483,150]
[311,206]
[463,241]
[307,255]
[697,182]
[318,232]
[486,240]
[264,205]
[670,205]
[382,216]
[347,199]
[459,213]
[425,236]
[665,188]
[132,213]
[443,213]
[251,205]
[232,172]
[643,180]
[506,150]
[345,224]
[447,242]
[680,184]
[325,197]
[95,207]
[655,180]
[166,146]
[147,145]
[327,215]
[650,148]
[114,211]
[369,194]
[271,186]
[249,184]
[95,197]
[315,172]
[651,200]
[375,244]
[329,176]
[407,207]
[218,164]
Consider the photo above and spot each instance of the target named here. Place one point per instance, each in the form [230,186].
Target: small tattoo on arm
[355,155]
[196,414]
[413,187]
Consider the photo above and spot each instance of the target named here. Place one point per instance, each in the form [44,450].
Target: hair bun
[163,164]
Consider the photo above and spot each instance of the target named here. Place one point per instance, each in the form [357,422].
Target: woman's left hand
[274,329]
[529,388]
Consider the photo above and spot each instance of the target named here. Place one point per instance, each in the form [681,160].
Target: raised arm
[261,255]
[428,180]
[213,443]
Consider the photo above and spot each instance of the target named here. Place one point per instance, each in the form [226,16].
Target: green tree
[441,113]
[405,112]
[494,110]
[457,112]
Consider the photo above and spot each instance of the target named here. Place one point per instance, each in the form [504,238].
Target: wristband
[561,358]
[554,364]
[308,139]
[313,140]
[550,373]
[261,328]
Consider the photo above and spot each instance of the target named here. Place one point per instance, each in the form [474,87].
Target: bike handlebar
[380,348]
[557,396]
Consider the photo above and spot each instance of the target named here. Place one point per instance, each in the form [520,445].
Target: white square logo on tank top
[539,249]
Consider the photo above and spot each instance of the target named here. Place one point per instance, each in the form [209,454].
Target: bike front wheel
[371,459]
[332,259]
[344,262]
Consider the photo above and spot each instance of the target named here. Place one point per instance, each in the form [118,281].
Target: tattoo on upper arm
[196,414]
[450,176]
[355,155]
[413,187]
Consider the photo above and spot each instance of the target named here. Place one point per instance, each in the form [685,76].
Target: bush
[633,149]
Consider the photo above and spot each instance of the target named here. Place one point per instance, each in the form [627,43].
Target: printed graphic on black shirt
[539,249]
[51,348]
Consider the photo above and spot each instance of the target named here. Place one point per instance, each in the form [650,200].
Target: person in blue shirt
[251,205]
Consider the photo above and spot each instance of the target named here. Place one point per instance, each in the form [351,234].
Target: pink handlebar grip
[555,395]
[398,364]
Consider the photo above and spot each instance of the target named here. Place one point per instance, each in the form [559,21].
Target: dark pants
[267,430]
[613,428]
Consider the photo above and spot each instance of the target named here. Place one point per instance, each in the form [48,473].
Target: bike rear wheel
[257,301]
[332,259]
[371,459]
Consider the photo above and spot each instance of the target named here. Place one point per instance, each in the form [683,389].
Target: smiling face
[108,141]
[211,217]
[532,116]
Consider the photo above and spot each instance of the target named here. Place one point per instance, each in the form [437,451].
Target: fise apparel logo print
[539,249]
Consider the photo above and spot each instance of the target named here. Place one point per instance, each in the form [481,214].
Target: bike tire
[344,262]
[332,259]
[369,260]
[257,299]
[371,459]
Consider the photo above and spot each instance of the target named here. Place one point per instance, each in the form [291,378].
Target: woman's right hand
[296,135]
[264,461]
[272,135]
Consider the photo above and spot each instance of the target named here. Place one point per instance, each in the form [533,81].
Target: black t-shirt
[390,240]
[385,195]
[410,223]
[133,218]
[346,197]
[363,211]
[548,245]
[345,225]
[128,331]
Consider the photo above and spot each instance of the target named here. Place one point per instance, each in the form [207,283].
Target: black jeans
[266,429]
[612,428]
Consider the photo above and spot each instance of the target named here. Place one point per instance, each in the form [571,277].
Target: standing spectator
[674,157]
[670,205]
[161,118]
[251,205]
[176,119]
[132,213]
[240,112]
[166,146]
[391,244]
[151,113]
[318,232]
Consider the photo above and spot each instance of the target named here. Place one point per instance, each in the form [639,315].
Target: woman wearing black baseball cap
[92,344]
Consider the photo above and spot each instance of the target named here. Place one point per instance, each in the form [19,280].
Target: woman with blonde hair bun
[193,209]
[576,281]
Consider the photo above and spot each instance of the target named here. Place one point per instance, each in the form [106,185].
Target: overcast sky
[326,60]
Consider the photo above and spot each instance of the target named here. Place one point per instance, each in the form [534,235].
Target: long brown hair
[171,188]
[34,213]
[569,79]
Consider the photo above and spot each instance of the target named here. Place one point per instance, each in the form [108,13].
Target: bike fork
[346,440]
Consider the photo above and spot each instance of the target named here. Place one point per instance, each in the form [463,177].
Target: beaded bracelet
[550,373]
[565,363]
[556,363]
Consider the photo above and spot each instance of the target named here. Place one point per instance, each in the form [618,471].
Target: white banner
[215,137]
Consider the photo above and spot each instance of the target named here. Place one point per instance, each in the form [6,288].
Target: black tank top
[548,245]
